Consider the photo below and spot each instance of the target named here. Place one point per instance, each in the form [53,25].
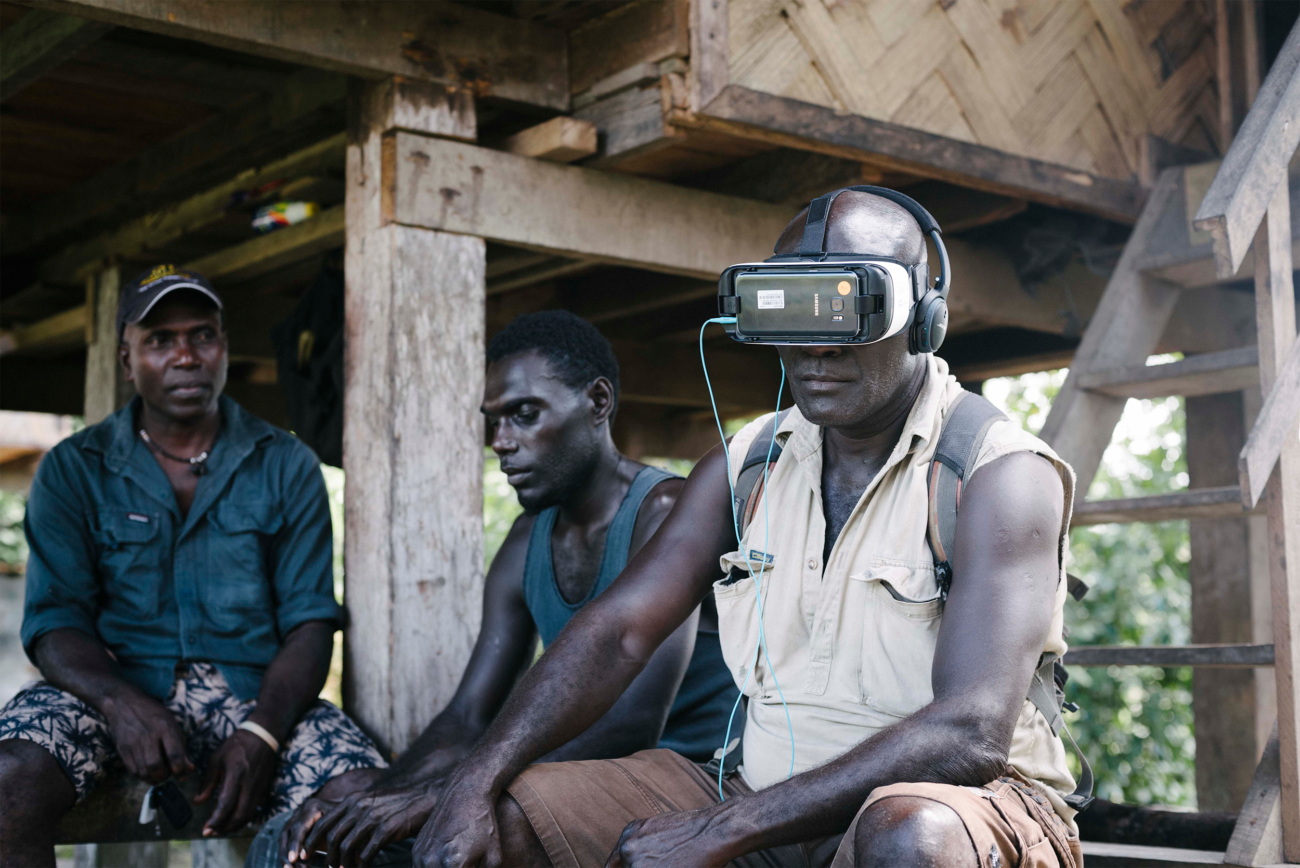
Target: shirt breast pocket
[736,599]
[901,612]
[239,551]
[131,560]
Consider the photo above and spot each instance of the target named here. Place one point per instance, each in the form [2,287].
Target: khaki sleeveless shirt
[852,644]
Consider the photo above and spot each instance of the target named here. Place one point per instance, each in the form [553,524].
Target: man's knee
[33,781]
[904,831]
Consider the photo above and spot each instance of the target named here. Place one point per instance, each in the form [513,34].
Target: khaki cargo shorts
[579,809]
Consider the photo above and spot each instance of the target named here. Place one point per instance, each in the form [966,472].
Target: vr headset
[816,297]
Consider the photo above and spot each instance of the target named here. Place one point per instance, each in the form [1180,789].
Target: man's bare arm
[581,676]
[994,626]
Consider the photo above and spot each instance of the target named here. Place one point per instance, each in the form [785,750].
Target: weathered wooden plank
[561,140]
[137,237]
[573,211]
[1223,502]
[1205,374]
[62,330]
[1275,318]
[38,42]
[412,445]
[630,124]
[630,34]
[1124,330]
[462,46]
[1201,656]
[1103,855]
[106,391]
[275,249]
[708,73]
[1256,163]
[791,123]
[1223,703]
[1276,425]
[1257,837]
[307,109]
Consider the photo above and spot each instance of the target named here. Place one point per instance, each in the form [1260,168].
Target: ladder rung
[1200,656]
[1197,503]
[1205,374]
[1101,855]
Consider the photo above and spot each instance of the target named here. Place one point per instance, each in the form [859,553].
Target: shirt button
[812,563]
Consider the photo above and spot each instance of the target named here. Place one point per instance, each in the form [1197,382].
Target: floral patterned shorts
[324,744]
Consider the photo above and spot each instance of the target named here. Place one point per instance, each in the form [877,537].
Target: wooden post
[412,433]
[106,391]
[1275,317]
[1223,701]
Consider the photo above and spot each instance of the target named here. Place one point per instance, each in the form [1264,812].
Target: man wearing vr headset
[892,716]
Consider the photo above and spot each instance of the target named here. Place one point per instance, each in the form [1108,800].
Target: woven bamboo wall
[1075,82]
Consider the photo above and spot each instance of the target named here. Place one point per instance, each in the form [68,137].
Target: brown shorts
[579,810]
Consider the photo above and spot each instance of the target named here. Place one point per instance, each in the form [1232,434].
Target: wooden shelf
[1200,656]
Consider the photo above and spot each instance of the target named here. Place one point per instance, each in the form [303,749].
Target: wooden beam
[1277,423]
[305,110]
[67,329]
[275,249]
[412,439]
[631,124]
[38,42]
[791,123]
[1256,163]
[1125,328]
[106,390]
[1275,316]
[464,47]
[1012,367]
[561,140]
[626,36]
[1104,855]
[1201,656]
[1257,837]
[143,234]
[1222,502]
[1204,374]
[572,211]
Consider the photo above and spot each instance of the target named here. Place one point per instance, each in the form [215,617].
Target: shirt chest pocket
[131,560]
[899,632]
[738,622]
[239,551]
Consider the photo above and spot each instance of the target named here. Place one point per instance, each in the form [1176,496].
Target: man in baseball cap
[180,596]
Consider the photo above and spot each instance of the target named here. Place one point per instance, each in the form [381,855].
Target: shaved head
[863,223]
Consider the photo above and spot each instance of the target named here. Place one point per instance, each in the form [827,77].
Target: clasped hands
[152,747]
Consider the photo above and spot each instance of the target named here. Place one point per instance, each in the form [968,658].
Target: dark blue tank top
[697,722]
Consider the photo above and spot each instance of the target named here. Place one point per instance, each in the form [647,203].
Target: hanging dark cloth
[309,361]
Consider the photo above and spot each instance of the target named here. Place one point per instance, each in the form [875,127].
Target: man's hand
[353,830]
[243,768]
[669,840]
[147,736]
[463,828]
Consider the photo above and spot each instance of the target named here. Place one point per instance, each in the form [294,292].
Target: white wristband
[260,732]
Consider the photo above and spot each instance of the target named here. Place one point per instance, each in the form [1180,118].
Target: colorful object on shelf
[271,217]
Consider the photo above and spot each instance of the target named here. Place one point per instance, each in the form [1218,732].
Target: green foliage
[1135,724]
[13,545]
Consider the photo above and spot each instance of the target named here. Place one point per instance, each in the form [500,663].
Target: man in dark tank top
[550,399]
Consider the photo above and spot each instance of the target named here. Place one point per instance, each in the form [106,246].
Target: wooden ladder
[1246,209]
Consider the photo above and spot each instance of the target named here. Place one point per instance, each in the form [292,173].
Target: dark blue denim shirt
[112,556]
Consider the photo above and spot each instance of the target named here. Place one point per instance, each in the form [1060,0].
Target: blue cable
[758,588]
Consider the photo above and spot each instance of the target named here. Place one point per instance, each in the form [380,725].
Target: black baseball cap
[139,296]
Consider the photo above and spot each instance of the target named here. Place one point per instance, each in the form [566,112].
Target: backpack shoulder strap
[964,427]
[749,482]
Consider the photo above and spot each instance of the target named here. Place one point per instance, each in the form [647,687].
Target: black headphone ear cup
[931,324]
